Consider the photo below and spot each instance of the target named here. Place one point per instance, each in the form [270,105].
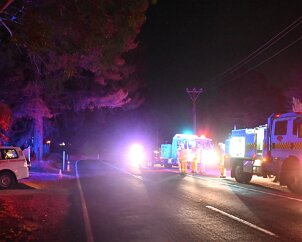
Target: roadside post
[29,153]
[63,155]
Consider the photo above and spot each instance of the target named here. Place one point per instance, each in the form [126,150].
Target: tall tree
[5,122]
[293,92]
[75,52]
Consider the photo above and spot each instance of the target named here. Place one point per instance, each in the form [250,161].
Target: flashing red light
[277,115]
[202,136]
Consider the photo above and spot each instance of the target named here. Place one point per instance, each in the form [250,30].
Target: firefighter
[179,159]
[202,162]
[221,152]
[195,161]
[182,157]
[189,156]
[184,160]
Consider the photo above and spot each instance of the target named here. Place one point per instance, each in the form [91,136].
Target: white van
[13,166]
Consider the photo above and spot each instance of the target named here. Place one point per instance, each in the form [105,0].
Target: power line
[261,49]
[269,58]
[262,62]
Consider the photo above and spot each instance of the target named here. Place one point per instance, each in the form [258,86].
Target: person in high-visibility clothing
[184,160]
[179,159]
[222,168]
[202,162]
[195,161]
[190,157]
[182,157]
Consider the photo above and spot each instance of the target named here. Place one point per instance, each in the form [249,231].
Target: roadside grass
[38,208]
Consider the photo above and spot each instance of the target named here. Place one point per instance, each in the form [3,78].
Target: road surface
[127,204]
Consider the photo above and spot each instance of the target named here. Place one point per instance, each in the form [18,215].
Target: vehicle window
[281,128]
[191,143]
[297,128]
[9,154]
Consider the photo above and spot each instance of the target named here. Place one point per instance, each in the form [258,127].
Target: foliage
[77,49]
[70,56]
[293,92]
[5,122]
[297,105]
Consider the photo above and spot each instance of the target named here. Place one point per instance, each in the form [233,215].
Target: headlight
[210,156]
[137,155]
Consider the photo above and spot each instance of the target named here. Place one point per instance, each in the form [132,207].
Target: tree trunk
[38,136]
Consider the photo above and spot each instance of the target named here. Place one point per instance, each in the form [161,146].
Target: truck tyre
[240,176]
[7,180]
[294,181]
[167,166]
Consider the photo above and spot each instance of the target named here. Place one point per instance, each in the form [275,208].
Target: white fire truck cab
[13,166]
[274,149]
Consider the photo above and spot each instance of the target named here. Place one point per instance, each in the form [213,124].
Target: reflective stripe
[288,146]
[250,146]
[298,146]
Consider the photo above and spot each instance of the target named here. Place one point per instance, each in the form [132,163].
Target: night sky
[189,43]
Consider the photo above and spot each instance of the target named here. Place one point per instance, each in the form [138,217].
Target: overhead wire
[258,51]
[265,60]
[263,47]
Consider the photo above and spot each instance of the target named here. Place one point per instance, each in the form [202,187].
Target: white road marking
[124,171]
[87,224]
[249,189]
[242,221]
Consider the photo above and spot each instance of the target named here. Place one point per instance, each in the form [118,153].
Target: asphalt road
[127,204]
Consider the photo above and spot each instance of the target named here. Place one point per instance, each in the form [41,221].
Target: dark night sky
[186,43]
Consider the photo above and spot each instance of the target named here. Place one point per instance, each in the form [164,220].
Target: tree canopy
[71,55]
[5,122]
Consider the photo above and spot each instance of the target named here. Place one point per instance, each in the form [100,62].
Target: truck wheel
[167,166]
[7,180]
[294,181]
[240,176]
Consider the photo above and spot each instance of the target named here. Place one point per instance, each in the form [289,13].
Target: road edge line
[86,219]
[242,221]
[124,171]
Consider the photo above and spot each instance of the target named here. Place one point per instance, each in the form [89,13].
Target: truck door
[296,137]
[281,138]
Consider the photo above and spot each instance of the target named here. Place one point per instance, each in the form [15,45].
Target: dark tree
[75,58]
[5,122]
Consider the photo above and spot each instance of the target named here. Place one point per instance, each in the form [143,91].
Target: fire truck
[270,150]
[188,142]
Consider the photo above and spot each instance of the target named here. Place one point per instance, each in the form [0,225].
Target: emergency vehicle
[274,149]
[13,166]
[156,158]
[188,142]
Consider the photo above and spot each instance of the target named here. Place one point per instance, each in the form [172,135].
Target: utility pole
[193,94]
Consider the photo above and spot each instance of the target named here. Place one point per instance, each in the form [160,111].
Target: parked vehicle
[156,158]
[13,166]
[169,151]
[273,150]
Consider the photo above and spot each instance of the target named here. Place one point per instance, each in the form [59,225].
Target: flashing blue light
[187,132]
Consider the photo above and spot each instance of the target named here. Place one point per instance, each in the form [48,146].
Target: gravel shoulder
[45,207]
